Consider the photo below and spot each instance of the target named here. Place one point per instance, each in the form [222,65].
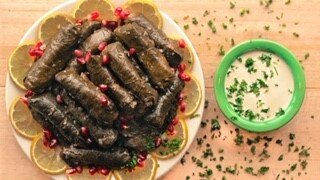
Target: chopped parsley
[186,27]
[280,112]
[249,64]
[232,4]
[211,26]
[215,125]
[280,158]
[266,59]
[263,170]
[295,34]
[195,21]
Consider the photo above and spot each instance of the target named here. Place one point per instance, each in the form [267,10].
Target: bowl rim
[298,78]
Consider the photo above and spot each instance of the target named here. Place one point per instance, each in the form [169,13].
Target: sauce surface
[259,85]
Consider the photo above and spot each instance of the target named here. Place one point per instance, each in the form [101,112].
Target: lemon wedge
[147,8]
[45,158]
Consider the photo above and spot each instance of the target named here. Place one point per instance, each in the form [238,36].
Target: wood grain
[18,15]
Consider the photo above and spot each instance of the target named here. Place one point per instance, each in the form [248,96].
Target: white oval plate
[170,28]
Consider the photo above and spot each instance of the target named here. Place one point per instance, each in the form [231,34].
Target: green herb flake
[280,158]
[263,170]
[195,21]
[232,4]
[249,64]
[221,52]
[295,34]
[280,112]
[303,164]
[224,26]
[287,2]
[267,28]
[306,56]
[293,167]
[211,26]
[215,125]
[186,27]
[249,170]
[206,13]
[244,11]
[292,136]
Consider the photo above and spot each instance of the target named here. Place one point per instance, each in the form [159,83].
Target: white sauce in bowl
[259,85]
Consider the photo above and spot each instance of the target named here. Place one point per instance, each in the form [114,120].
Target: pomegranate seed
[122,15]
[102,46]
[170,128]
[183,106]
[53,143]
[182,67]
[132,51]
[103,87]
[93,170]
[85,131]
[124,126]
[104,171]
[38,45]
[28,93]
[47,134]
[78,53]
[104,101]
[71,171]
[89,141]
[175,121]
[112,25]
[88,56]
[187,79]
[126,12]
[140,163]
[59,99]
[158,141]
[81,61]
[172,133]
[105,60]
[45,142]
[181,97]
[117,11]
[79,169]
[79,21]
[94,15]
[182,43]
[25,101]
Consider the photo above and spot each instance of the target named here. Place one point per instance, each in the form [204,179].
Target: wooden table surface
[299,16]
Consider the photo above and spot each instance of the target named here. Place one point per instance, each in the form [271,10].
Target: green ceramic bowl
[298,92]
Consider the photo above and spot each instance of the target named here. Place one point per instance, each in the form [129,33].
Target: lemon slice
[188,58]
[173,144]
[45,158]
[192,96]
[22,120]
[147,172]
[147,8]
[20,63]
[85,175]
[52,24]
[86,7]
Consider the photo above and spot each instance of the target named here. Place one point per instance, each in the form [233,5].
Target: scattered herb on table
[211,26]
[195,21]
[186,27]
[232,4]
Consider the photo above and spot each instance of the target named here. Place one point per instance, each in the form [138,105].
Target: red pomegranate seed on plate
[88,56]
[47,134]
[59,99]
[112,25]
[103,87]
[104,101]
[45,142]
[53,143]
[182,43]
[79,21]
[183,106]
[132,51]
[85,131]
[158,141]
[170,128]
[182,67]
[102,46]
[117,11]
[181,97]
[28,93]
[175,121]
[140,163]
[94,15]
[93,170]
[71,171]
[79,169]
[78,53]
[104,171]
[105,60]
[25,101]
[81,61]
